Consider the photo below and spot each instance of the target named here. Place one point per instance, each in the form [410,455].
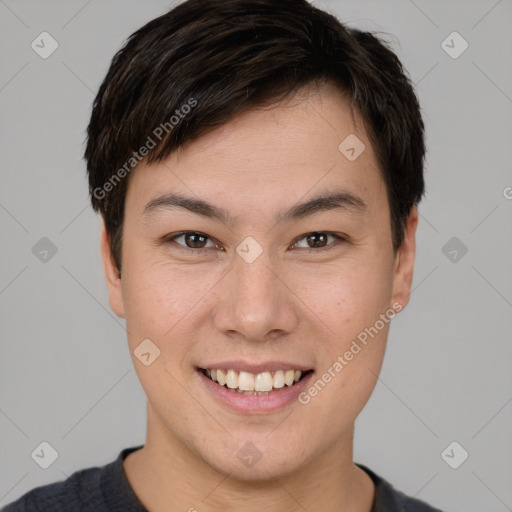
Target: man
[257,166]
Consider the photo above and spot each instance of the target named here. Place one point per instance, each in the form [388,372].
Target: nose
[255,302]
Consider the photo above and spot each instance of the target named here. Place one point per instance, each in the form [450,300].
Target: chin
[253,461]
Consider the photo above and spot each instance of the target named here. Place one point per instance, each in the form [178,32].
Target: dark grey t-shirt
[106,489]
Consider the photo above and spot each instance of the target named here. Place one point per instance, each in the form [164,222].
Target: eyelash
[339,239]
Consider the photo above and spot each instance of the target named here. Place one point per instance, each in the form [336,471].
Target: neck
[165,475]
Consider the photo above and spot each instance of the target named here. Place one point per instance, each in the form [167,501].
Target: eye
[318,240]
[196,241]
[192,240]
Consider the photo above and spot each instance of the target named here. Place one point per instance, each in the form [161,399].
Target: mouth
[263,383]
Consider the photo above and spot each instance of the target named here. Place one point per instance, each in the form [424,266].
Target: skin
[290,304]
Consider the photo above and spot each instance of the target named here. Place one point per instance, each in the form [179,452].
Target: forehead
[299,147]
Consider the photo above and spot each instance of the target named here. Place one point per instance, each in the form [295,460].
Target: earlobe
[112,277]
[404,262]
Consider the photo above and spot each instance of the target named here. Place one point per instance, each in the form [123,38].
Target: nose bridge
[256,302]
[255,281]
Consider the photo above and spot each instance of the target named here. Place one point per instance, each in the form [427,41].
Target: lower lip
[255,404]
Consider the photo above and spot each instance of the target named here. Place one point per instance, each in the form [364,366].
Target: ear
[404,262]
[112,277]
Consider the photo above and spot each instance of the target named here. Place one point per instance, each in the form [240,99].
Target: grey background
[66,376]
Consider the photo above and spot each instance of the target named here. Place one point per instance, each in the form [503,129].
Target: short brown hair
[223,57]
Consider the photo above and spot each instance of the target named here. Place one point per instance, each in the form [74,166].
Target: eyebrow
[340,200]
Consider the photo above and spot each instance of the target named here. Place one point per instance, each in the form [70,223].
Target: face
[257,255]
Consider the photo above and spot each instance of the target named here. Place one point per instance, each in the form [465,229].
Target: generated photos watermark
[158,133]
[354,349]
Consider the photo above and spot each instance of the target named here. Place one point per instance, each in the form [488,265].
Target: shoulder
[389,499]
[81,487]
[94,489]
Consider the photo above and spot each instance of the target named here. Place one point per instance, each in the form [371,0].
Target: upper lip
[256,367]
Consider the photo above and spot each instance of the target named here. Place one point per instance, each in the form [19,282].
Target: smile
[247,383]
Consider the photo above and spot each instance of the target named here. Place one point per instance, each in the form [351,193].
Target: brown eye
[316,239]
[192,240]
[195,240]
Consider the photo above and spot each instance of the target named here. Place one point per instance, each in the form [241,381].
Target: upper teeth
[246,381]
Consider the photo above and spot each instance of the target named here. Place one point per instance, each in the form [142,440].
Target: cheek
[160,293]
[345,380]
[346,296]
[166,303]
[349,301]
